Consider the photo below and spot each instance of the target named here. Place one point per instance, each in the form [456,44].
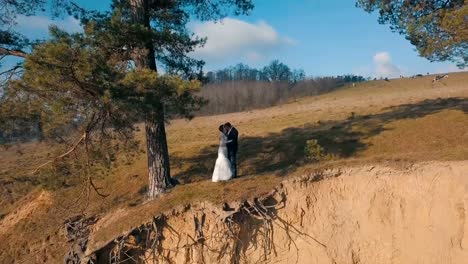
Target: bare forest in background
[236,96]
[240,87]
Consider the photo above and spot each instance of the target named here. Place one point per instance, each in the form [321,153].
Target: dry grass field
[395,122]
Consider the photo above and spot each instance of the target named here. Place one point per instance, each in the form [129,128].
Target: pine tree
[437,28]
[100,83]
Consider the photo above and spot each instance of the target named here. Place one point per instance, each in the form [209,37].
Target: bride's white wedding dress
[222,170]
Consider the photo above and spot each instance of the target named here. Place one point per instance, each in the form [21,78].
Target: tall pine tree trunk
[156,143]
[158,156]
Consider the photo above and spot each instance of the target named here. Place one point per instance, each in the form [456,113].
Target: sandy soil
[367,214]
[29,208]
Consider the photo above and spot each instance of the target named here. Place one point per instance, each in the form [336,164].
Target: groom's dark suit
[232,149]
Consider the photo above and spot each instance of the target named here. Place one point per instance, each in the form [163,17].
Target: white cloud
[254,56]
[233,38]
[40,24]
[384,66]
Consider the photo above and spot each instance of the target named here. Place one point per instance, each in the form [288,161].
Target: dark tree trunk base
[158,156]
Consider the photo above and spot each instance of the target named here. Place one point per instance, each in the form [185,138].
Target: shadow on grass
[284,151]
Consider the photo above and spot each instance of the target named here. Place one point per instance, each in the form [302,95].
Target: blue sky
[332,37]
[323,37]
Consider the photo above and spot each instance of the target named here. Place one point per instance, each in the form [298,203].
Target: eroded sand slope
[370,214]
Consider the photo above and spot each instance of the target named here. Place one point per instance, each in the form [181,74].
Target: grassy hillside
[396,122]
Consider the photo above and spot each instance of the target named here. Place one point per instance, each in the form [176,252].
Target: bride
[222,170]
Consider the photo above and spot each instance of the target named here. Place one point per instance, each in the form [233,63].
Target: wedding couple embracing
[226,167]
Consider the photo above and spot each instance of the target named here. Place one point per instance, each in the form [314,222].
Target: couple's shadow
[283,152]
[275,153]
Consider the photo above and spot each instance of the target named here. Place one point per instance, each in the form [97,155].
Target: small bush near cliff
[352,116]
[315,152]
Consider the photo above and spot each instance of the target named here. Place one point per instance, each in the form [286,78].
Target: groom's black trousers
[232,156]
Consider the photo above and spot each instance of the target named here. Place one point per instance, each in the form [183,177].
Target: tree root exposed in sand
[252,222]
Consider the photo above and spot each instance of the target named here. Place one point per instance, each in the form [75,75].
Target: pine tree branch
[8,75]
[12,70]
[16,53]
[96,189]
[76,6]
[71,150]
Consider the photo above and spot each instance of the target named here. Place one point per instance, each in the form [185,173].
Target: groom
[232,135]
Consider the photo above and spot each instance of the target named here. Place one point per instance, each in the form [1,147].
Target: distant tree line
[350,78]
[236,96]
[240,87]
[276,71]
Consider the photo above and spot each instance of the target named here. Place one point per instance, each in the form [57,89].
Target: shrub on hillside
[315,152]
